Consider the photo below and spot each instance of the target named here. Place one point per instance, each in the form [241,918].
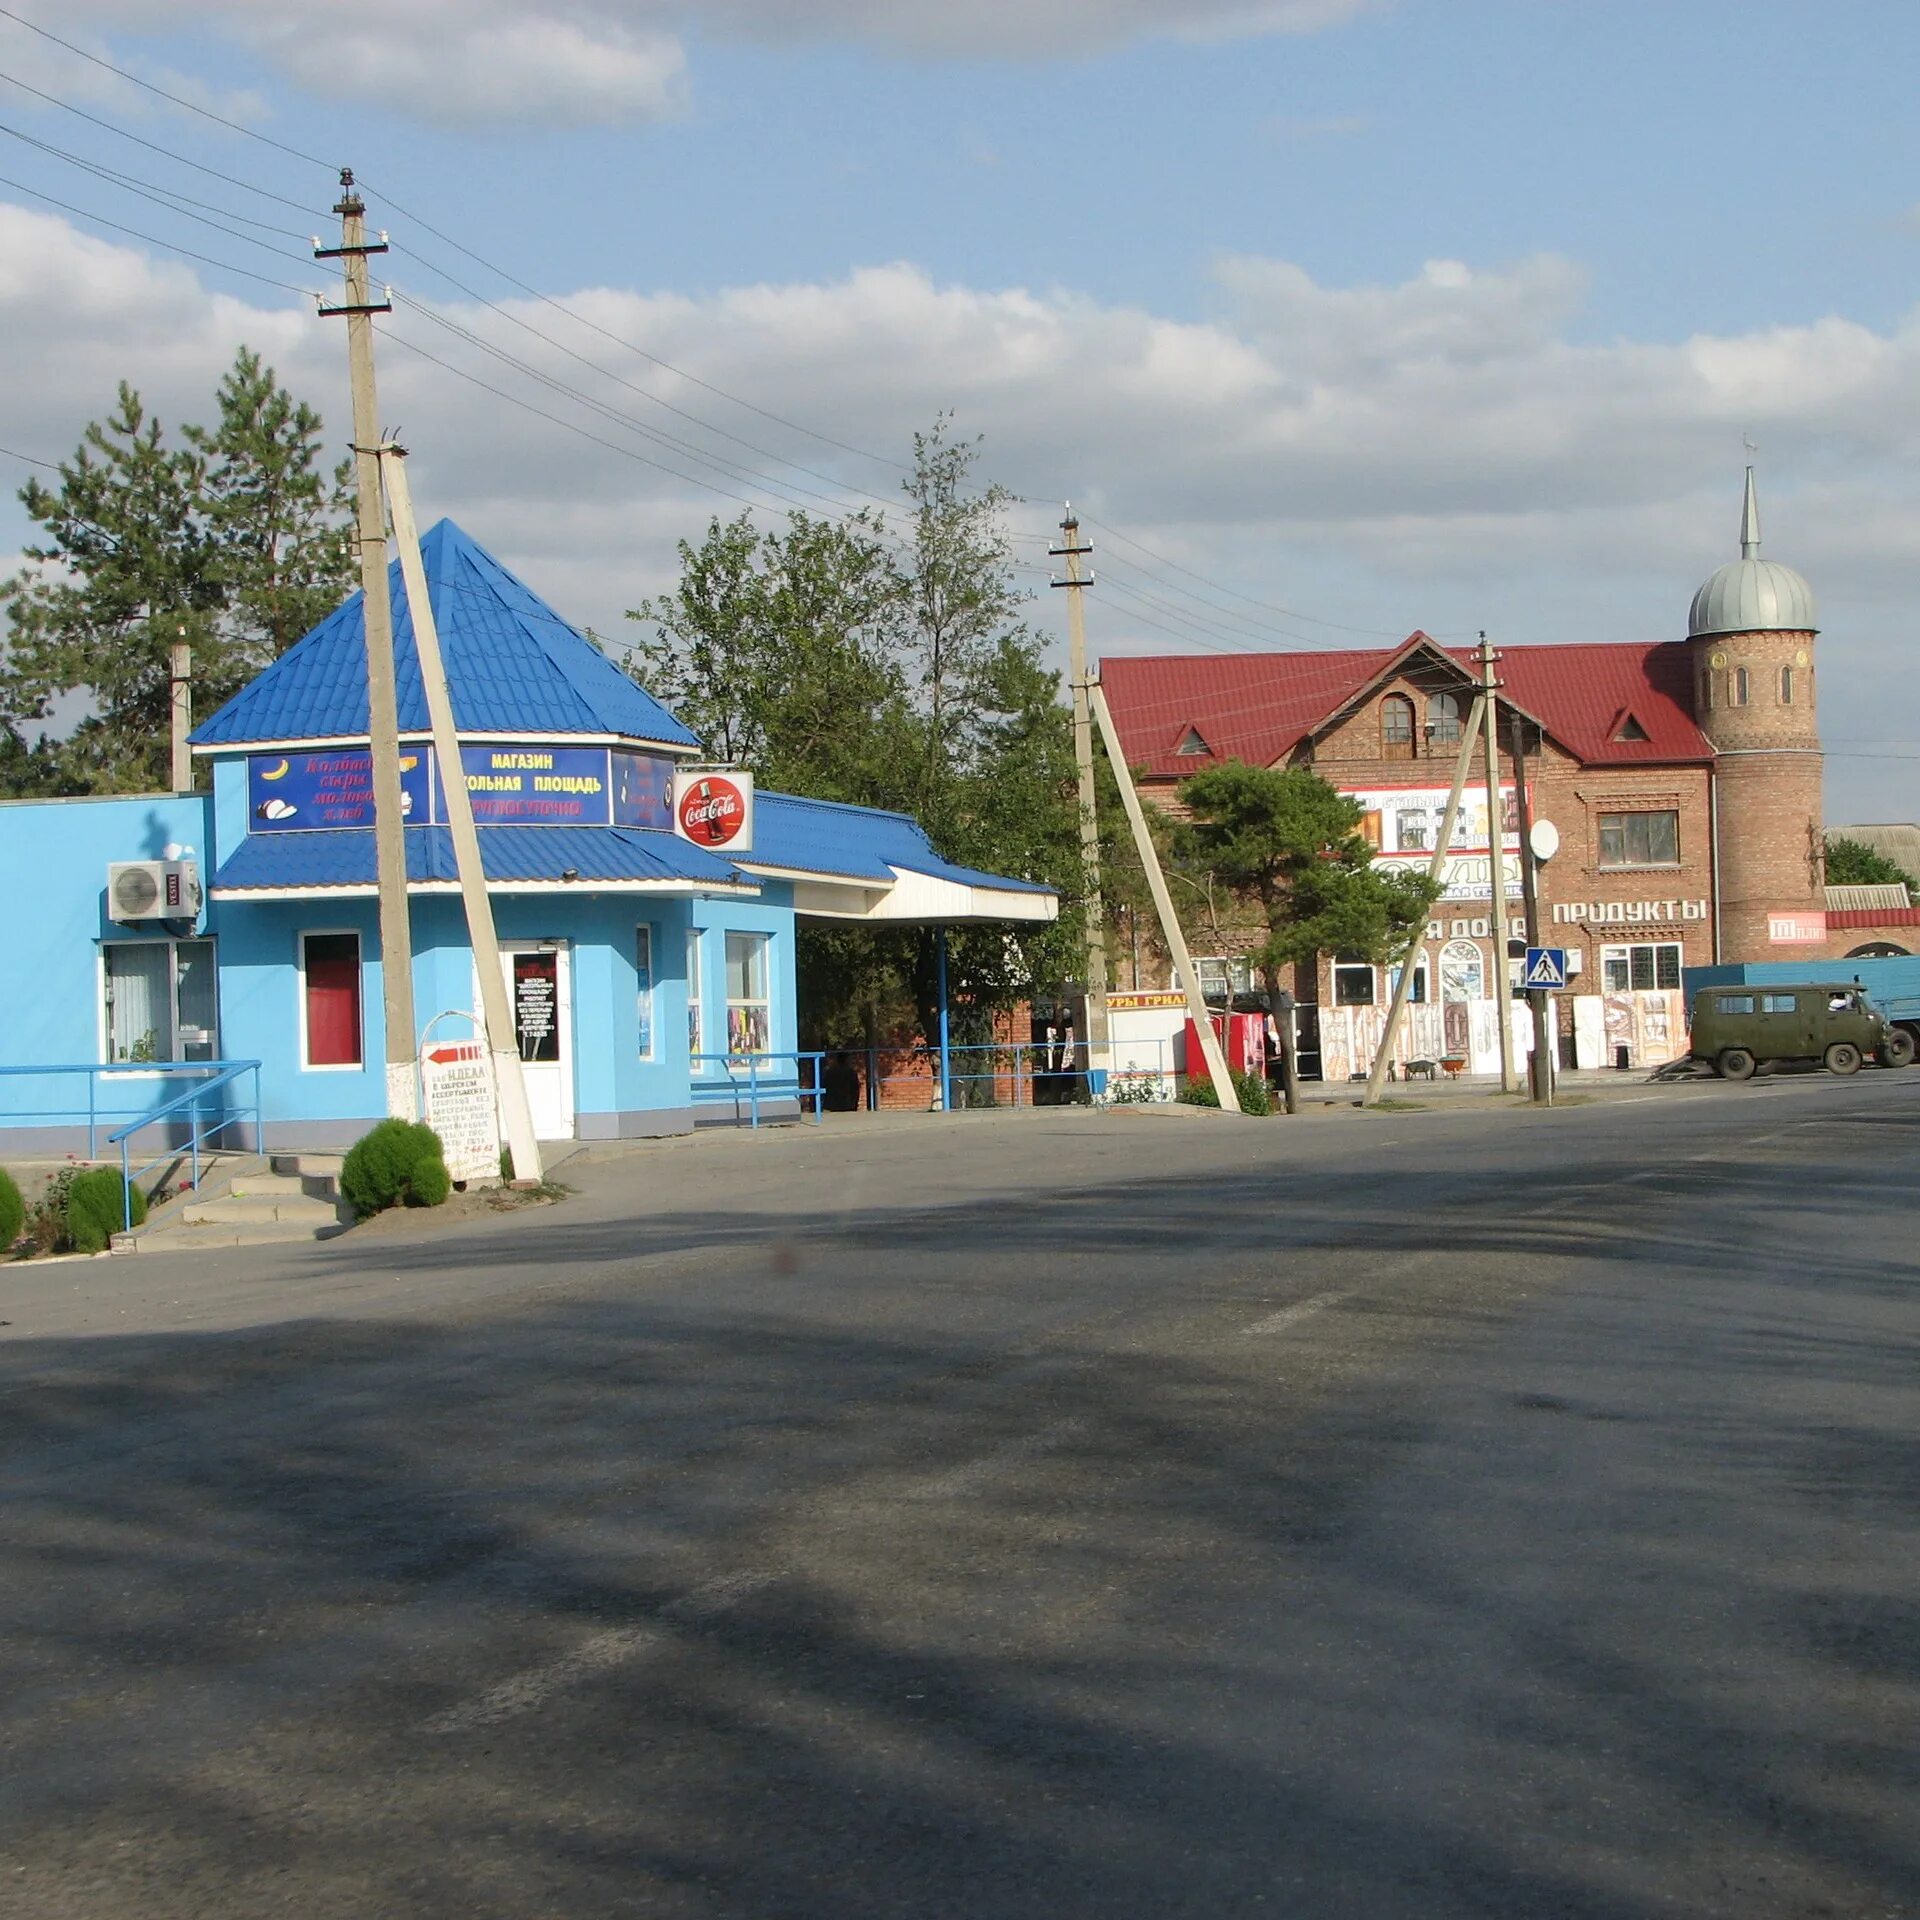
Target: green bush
[1254,1097]
[13,1211]
[430,1185]
[97,1204]
[381,1166]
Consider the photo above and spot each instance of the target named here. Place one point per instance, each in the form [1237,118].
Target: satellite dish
[1544,839]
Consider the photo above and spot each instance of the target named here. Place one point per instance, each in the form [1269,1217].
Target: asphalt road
[1463,1513]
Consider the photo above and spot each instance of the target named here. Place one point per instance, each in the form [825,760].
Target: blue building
[631,950]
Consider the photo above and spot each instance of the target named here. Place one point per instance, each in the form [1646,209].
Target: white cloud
[1444,452]
[590,61]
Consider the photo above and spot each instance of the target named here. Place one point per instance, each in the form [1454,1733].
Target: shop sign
[456,1078]
[296,792]
[1462,876]
[1628,913]
[1407,820]
[642,791]
[714,809]
[1796,929]
[537,786]
[1143,1000]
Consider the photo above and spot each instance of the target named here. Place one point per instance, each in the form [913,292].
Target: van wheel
[1898,1052]
[1843,1057]
[1735,1063]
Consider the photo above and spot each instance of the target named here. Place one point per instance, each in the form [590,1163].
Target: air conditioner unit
[140,890]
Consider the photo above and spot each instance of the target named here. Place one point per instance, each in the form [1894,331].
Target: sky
[1334,318]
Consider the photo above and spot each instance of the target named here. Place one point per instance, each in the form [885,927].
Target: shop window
[1396,727]
[1443,719]
[1786,686]
[1353,980]
[160,1003]
[1647,966]
[643,989]
[331,1032]
[749,1028]
[1738,686]
[1417,993]
[1640,839]
[696,1003]
[1463,971]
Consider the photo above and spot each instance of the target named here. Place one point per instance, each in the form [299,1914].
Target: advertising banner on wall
[1404,820]
[714,809]
[537,786]
[295,792]
[642,791]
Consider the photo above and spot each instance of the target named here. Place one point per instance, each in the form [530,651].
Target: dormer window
[1396,727]
[1630,730]
[1191,744]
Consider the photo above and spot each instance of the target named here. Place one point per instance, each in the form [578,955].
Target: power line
[191,106]
[152,146]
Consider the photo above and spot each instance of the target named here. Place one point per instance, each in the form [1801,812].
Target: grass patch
[1392,1106]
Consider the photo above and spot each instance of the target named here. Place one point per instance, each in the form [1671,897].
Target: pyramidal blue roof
[514,666]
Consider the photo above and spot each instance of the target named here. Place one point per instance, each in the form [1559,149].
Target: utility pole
[383,712]
[1540,1078]
[1099,1026]
[1497,867]
[509,1083]
[181,687]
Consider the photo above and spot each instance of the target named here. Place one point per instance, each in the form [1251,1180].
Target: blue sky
[1421,312]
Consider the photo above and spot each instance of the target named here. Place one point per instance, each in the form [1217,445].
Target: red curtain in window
[333,1000]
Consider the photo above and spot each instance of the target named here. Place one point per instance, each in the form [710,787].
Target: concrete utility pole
[1497,867]
[1540,1076]
[383,712]
[1176,941]
[1443,841]
[509,1083]
[182,691]
[1099,1026]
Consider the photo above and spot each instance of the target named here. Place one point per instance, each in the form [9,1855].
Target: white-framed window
[696,1001]
[1443,719]
[1463,971]
[1640,839]
[1645,966]
[158,1001]
[643,989]
[331,1001]
[1353,980]
[749,1019]
[1417,993]
[1221,978]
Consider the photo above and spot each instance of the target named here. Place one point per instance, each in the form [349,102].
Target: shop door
[540,990]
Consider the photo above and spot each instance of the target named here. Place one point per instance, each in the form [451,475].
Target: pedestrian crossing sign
[1545,967]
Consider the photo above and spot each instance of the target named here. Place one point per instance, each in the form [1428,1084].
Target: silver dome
[1751,595]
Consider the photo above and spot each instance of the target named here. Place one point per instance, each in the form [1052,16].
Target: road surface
[1440,1514]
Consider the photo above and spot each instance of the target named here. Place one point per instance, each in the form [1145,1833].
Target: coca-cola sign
[714,809]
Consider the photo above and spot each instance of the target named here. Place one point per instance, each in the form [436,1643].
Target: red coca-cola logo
[712,810]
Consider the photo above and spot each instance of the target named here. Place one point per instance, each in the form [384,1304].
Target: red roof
[1258,707]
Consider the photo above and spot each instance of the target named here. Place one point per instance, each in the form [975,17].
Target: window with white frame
[1221,978]
[749,1025]
[1353,980]
[1640,839]
[332,1028]
[1417,993]
[159,1001]
[696,1002]
[643,989]
[1646,966]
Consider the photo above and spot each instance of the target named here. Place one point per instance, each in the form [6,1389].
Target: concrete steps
[287,1198]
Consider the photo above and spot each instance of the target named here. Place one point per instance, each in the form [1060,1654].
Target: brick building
[1683,778]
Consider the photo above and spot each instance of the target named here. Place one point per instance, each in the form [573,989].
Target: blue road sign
[1544,967]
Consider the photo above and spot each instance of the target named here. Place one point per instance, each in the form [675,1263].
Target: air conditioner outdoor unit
[140,890]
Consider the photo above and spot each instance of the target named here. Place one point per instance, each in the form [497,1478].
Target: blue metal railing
[229,1073]
[95,1113]
[786,1086]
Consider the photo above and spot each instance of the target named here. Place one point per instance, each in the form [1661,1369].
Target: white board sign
[457,1079]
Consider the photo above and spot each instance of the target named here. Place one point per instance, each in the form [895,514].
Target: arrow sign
[1544,967]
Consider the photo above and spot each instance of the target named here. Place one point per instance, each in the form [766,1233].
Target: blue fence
[202,1125]
[105,1096]
[747,1077]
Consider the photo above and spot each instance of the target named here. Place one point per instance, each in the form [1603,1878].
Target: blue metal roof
[865,843]
[277,862]
[514,667]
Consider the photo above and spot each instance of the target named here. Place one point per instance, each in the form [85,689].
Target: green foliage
[1252,1090]
[382,1166]
[889,667]
[13,1211]
[97,1203]
[1288,847]
[234,541]
[430,1184]
[1852,863]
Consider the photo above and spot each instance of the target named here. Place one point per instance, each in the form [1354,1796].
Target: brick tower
[1751,633]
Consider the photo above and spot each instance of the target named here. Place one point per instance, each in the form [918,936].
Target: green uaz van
[1738,1028]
